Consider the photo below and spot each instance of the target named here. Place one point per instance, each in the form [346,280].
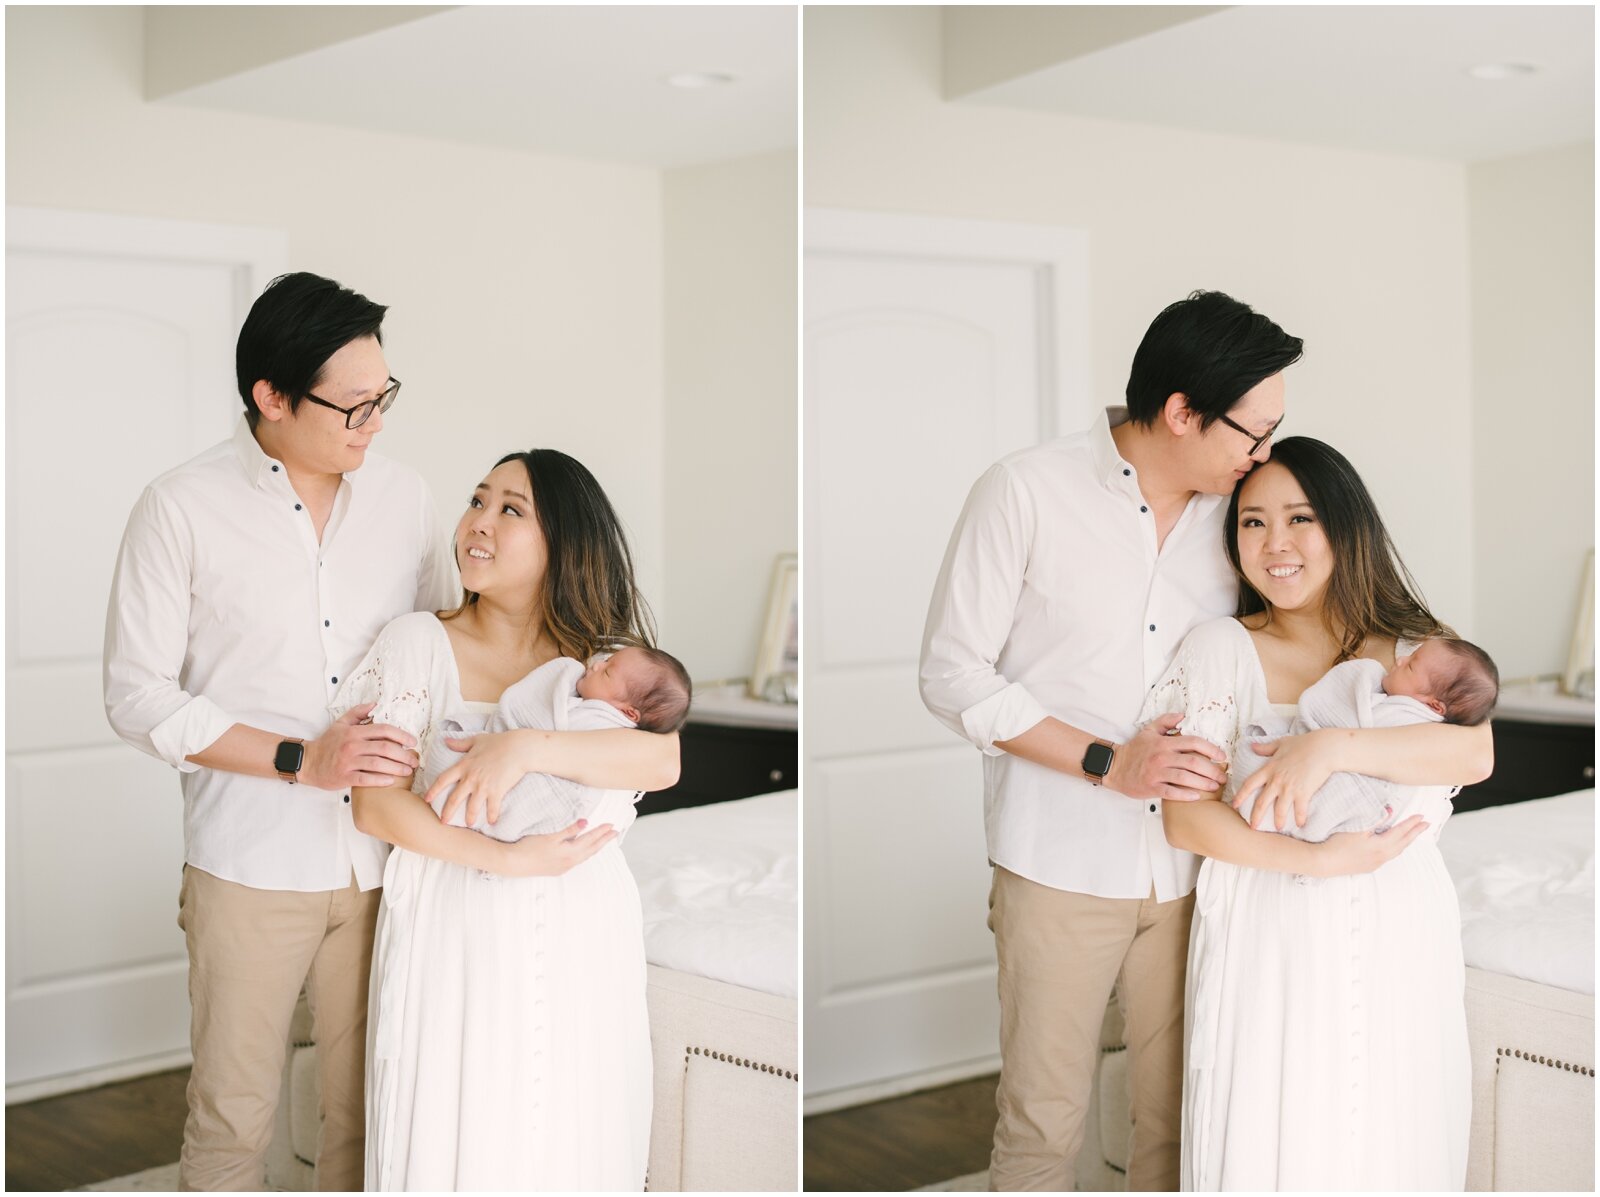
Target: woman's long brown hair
[1370,592]
[589,601]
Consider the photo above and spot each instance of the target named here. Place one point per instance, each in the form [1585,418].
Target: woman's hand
[552,855]
[1351,852]
[1284,785]
[493,764]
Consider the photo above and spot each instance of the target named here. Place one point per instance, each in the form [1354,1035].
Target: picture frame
[1578,677]
[775,676]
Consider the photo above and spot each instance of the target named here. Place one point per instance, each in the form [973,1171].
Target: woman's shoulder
[1214,635]
[418,631]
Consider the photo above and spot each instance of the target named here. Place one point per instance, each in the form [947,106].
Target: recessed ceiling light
[698,79]
[1502,70]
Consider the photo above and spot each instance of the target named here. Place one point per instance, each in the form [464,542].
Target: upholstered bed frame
[727,1091]
[1533,1079]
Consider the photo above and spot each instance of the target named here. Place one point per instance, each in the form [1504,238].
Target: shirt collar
[258,467]
[1108,464]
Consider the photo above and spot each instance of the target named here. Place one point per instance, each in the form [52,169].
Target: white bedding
[1525,877]
[720,887]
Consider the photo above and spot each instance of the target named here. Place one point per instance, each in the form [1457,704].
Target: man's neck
[315,488]
[1150,452]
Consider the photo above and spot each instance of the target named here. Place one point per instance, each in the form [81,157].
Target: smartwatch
[1097,761]
[290,756]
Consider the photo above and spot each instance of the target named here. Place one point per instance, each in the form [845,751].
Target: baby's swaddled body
[545,700]
[1349,695]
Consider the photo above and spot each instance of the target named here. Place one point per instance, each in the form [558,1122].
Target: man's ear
[271,404]
[1179,417]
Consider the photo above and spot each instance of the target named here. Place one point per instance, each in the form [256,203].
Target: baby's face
[616,679]
[1419,674]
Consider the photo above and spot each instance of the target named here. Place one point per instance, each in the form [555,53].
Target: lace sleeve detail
[398,675]
[1202,684]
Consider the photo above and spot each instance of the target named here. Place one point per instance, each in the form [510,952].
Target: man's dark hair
[1470,696]
[1209,347]
[294,327]
[665,707]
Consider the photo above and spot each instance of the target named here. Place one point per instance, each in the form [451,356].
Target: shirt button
[297,507]
[327,623]
[1125,473]
[274,469]
[335,681]
[1152,808]
[1152,627]
[1143,509]
[347,797]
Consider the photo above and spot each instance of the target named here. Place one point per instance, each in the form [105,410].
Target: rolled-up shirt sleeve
[147,625]
[971,615]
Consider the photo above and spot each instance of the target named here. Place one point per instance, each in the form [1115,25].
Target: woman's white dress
[1325,1037]
[508,1043]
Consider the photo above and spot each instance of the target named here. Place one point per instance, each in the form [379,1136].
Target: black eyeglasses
[1255,441]
[355,417]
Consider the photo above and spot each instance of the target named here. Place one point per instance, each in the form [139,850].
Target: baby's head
[1456,679]
[647,685]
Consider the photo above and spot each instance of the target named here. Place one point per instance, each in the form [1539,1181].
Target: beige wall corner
[989,44]
[187,45]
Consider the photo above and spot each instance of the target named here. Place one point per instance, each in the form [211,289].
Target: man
[1075,570]
[250,580]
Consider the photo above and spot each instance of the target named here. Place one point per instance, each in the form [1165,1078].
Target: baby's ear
[630,711]
[1432,704]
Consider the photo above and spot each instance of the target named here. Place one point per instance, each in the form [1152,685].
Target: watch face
[289,758]
[1097,760]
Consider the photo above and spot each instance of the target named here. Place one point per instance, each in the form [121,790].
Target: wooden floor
[83,1138]
[903,1143]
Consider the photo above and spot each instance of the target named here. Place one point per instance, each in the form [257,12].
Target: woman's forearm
[1214,829]
[1427,754]
[405,820]
[610,759]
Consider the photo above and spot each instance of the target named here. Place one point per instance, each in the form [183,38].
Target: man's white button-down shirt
[1053,600]
[225,609]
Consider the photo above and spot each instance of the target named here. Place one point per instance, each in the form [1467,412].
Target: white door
[932,347]
[119,365]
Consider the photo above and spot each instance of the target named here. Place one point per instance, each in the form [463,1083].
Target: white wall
[1531,220]
[1363,255]
[731,360]
[525,291]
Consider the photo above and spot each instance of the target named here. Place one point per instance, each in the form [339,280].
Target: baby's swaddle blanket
[1348,695]
[538,804]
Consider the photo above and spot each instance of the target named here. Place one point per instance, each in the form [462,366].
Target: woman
[508,1042]
[1326,1043]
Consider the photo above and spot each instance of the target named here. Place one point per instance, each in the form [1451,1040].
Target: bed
[1524,874]
[719,887]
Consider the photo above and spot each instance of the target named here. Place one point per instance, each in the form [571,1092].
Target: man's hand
[1157,763]
[356,753]
[1299,766]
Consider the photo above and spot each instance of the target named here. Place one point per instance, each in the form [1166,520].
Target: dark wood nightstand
[1543,746]
[732,747]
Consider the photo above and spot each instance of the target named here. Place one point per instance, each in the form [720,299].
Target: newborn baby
[633,687]
[1443,680]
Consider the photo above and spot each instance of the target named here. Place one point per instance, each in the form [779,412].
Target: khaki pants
[250,950]
[1060,954]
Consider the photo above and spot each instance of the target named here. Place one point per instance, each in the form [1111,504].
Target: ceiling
[576,81]
[1378,78]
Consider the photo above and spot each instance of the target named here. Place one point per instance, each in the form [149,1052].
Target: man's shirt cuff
[1004,715]
[193,727]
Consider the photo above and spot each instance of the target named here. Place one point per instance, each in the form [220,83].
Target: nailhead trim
[1547,1061]
[743,1063]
